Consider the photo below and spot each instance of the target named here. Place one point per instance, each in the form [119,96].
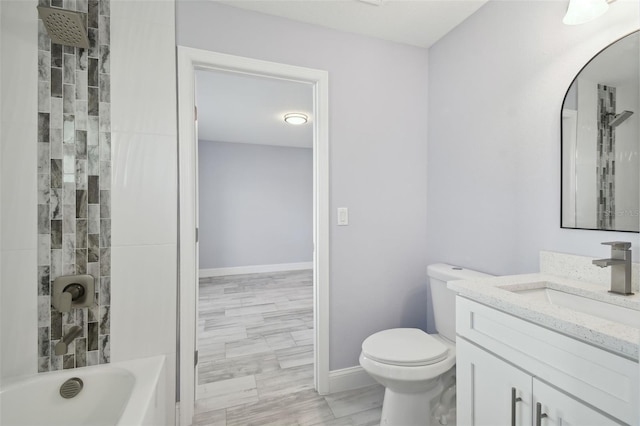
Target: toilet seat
[408,347]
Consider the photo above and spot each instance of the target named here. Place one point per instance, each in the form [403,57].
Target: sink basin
[586,305]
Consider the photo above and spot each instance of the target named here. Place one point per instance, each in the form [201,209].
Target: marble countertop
[498,292]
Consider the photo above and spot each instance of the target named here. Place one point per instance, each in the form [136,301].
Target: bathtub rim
[146,372]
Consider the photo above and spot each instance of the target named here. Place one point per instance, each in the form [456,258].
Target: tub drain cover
[71,388]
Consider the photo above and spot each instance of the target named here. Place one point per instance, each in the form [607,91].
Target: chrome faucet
[620,263]
[63,345]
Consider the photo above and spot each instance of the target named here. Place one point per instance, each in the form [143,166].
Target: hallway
[256,356]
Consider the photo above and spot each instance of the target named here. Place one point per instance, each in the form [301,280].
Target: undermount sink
[586,305]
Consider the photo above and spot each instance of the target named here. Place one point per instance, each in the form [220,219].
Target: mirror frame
[564,98]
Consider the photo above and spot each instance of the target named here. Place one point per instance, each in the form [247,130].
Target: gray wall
[377,136]
[495,91]
[256,204]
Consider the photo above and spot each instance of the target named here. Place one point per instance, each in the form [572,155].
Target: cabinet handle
[514,399]
[539,414]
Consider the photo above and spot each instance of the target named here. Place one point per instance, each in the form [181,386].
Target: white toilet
[416,368]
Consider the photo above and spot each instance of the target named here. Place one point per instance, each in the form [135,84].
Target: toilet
[418,369]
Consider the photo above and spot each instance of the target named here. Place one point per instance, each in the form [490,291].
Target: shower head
[65,26]
[616,119]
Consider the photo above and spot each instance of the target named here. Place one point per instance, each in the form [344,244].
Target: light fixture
[295,118]
[583,11]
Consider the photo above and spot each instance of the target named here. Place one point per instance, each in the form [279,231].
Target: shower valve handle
[65,302]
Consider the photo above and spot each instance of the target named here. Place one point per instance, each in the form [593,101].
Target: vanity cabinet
[493,392]
[508,369]
[557,408]
[488,389]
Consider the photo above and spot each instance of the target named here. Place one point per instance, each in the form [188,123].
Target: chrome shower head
[65,26]
[616,119]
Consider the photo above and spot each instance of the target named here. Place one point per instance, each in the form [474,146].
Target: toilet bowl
[418,369]
[409,363]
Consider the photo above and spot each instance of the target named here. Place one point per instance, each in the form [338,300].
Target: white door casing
[190,60]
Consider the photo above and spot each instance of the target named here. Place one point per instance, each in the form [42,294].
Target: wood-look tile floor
[255,337]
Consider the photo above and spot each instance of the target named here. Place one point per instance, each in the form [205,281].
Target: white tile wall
[19,36]
[147,75]
[144,184]
[18,122]
[147,186]
[143,301]
[151,11]
[18,313]
[19,182]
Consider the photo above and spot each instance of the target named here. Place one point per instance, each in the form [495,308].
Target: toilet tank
[443,300]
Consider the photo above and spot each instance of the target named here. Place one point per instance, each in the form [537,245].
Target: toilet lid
[404,346]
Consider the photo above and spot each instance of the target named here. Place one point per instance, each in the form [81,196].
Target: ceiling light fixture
[295,118]
[583,11]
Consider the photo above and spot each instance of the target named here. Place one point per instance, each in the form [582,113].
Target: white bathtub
[128,393]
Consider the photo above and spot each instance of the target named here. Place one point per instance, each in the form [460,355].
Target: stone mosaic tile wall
[605,167]
[74,176]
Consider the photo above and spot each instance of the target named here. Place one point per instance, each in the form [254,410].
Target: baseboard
[254,269]
[349,379]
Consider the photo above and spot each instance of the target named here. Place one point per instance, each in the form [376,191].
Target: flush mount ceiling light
[583,11]
[295,118]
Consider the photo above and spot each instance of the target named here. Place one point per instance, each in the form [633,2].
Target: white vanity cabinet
[508,369]
[489,390]
[556,408]
[493,392]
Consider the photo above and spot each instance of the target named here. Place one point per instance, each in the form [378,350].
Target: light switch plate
[343,216]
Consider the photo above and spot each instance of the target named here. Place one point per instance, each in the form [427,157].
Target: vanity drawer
[602,379]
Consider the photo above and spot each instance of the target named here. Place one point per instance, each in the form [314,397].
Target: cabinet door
[559,409]
[488,389]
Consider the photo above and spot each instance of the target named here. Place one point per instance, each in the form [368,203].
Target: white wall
[256,204]
[143,122]
[378,132]
[18,125]
[496,85]
[144,184]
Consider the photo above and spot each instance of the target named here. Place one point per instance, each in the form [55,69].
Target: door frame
[190,60]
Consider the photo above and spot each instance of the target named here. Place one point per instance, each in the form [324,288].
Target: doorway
[192,60]
[255,239]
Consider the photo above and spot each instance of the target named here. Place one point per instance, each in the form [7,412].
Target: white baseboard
[349,379]
[254,269]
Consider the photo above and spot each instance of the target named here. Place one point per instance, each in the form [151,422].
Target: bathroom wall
[496,85]
[256,204]
[18,194]
[74,186]
[143,185]
[377,142]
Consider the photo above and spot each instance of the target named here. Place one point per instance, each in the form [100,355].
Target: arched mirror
[600,135]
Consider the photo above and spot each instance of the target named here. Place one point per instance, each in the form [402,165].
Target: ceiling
[245,108]
[250,109]
[414,22]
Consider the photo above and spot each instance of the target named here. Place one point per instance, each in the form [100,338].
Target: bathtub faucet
[63,345]
[620,263]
